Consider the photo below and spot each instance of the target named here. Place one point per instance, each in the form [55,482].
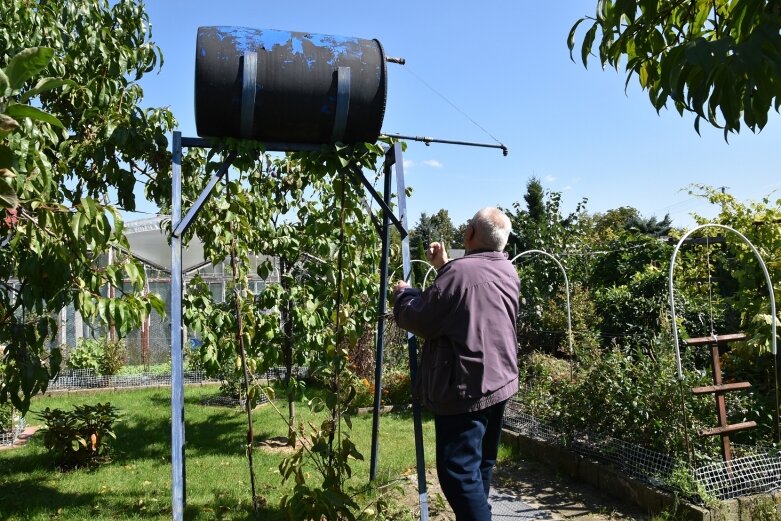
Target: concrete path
[506,505]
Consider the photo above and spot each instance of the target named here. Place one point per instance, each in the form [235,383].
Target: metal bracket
[394,157]
[342,103]
[249,77]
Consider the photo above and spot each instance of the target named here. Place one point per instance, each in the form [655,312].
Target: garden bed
[623,484]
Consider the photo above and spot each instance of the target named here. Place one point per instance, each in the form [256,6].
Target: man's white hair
[492,228]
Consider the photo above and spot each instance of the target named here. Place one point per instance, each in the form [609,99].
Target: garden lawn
[136,483]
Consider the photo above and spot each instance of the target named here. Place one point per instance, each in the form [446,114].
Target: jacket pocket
[468,373]
[436,379]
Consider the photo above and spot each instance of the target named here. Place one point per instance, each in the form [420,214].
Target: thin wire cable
[435,91]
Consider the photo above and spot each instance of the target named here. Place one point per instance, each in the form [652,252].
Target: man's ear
[469,236]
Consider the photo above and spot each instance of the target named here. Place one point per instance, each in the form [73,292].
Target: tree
[69,163]
[650,225]
[542,226]
[717,59]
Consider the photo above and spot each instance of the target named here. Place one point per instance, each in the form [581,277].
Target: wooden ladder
[719,389]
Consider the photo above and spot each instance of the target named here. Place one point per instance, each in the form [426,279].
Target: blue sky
[505,64]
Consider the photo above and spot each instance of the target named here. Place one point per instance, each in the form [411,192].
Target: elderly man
[469,360]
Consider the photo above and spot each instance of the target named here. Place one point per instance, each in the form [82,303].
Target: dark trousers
[467,445]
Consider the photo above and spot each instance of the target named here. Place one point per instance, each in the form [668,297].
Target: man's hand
[436,255]
[400,285]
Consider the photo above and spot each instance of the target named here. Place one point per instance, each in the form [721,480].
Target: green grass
[136,484]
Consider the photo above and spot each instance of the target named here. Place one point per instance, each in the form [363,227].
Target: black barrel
[281,86]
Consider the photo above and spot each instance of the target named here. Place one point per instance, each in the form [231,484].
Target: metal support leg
[177,380]
[381,309]
[411,341]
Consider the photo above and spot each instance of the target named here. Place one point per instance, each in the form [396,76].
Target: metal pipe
[413,261]
[412,345]
[381,309]
[178,478]
[268,146]
[192,213]
[429,140]
[357,173]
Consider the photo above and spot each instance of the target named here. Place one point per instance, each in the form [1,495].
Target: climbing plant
[307,210]
[760,222]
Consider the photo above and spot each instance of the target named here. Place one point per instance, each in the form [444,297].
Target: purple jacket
[467,318]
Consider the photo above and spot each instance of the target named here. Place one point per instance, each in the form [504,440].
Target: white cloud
[550,178]
[408,163]
[568,187]
[433,163]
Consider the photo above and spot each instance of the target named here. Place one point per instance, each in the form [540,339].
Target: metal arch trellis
[566,290]
[413,261]
[674,322]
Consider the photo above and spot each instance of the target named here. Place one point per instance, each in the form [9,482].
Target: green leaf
[26,111]
[26,64]
[571,38]
[8,197]
[4,83]
[588,41]
[43,85]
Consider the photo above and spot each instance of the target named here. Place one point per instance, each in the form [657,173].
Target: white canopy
[149,244]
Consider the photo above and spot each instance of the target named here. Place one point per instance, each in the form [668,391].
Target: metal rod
[381,308]
[412,345]
[182,225]
[391,59]
[177,381]
[199,142]
[429,140]
[357,173]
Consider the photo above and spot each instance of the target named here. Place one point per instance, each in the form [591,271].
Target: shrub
[396,388]
[114,356]
[364,393]
[78,437]
[86,355]
[193,357]
[6,417]
[101,355]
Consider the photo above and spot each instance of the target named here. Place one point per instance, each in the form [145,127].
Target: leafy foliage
[70,143]
[102,355]
[6,417]
[79,436]
[760,223]
[329,455]
[717,59]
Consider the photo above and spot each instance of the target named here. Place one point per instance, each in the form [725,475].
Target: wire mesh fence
[751,474]
[741,476]
[8,437]
[78,379]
